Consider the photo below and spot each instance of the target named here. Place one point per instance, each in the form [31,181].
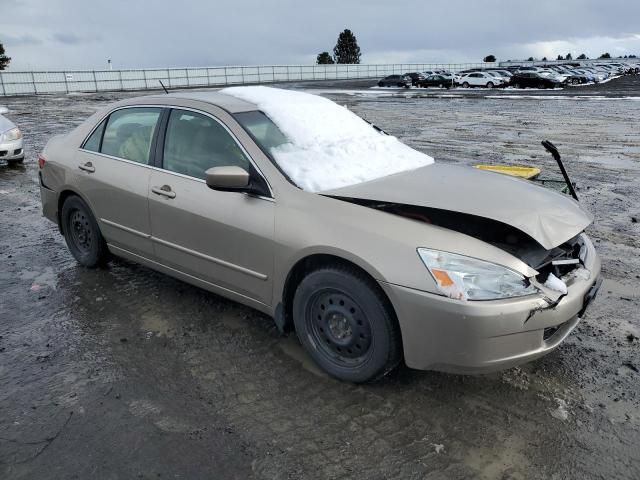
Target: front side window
[129,133]
[195,143]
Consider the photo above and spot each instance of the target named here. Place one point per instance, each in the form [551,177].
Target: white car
[481,79]
[10,140]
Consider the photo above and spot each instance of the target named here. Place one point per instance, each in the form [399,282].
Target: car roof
[226,102]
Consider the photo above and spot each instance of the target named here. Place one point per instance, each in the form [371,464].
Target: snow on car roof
[330,147]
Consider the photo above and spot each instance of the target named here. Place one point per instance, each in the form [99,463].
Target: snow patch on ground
[561,412]
[330,147]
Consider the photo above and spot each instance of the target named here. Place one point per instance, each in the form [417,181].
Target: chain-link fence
[36,83]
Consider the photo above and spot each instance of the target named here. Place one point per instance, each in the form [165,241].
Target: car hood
[548,217]
[5,124]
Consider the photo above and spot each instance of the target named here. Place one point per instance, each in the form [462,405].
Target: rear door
[222,238]
[113,175]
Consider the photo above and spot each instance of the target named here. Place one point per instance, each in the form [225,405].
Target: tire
[575,81]
[380,84]
[440,85]
[82,234]
[345,324]
[516,85]
[489,84]
[542,86]
[465,85]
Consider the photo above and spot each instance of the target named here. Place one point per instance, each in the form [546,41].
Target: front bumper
[12,150]
[456,336]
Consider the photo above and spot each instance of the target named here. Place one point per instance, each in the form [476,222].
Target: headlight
[467,278]
[11,135]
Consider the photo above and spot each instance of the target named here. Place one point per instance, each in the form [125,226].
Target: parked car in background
[481,79]
[416,78]
[504,75]
[528,79]
[346,235]
[438,81]
[395,81]
[11,147]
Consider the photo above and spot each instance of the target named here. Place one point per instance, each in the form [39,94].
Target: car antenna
[163,87]
[551,148]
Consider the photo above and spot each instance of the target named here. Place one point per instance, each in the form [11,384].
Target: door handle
[164,190]
[87,167]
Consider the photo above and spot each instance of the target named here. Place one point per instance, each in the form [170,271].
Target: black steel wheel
[346,324]
[82,234]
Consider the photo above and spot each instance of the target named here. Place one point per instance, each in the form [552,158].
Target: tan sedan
[293,205]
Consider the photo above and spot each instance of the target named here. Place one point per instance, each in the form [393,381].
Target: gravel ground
[126,373]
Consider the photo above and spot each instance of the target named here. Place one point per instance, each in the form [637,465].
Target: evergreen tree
[568,57]
[346,49]
[560,57]
[544,59]
[324,59]
[4,60]
[582,57]
[530,59]
[605,55]
[489,59]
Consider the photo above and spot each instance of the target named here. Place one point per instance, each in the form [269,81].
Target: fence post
[120,78]
[95,82]
[144,75]
[186,71]
[168,78]
[226,79]
[4,91]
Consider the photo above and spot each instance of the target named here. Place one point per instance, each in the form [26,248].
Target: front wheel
[346,325]
[465,85]
[380,84]
[489,84]
[82,234]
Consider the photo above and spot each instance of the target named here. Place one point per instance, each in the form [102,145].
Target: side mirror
[228,179]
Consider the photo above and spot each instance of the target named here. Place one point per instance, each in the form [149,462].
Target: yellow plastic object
[522,172]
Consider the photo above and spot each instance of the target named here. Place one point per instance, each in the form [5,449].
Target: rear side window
[195,143]
[93,142]
[129,132]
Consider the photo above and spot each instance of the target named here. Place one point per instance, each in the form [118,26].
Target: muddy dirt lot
[126,373]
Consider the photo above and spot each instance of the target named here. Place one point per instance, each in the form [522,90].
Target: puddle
[40,279]
[158,325]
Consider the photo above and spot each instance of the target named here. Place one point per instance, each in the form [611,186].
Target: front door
[223,238]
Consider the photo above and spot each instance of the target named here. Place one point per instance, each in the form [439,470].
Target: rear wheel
[82,234]
[380,84]
[516,85]
[345,324]
[489,84]
[465,85]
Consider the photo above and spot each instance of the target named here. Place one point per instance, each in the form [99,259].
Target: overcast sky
[59,34]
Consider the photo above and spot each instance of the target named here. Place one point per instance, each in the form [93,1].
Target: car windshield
[318,144]
[264,131]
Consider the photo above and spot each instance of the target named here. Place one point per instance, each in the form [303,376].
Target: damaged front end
[554,268]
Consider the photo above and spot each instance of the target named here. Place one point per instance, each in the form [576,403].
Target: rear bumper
[454,336]
[49,200]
